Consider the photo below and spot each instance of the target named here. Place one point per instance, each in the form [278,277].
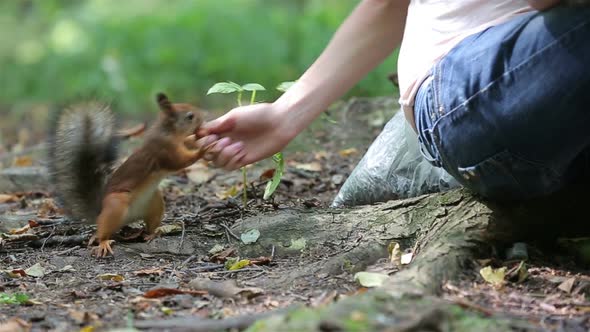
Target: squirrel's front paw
[103,249]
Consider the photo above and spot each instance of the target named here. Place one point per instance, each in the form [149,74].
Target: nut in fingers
[103,249]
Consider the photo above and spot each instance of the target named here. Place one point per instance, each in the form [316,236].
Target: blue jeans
[507,111]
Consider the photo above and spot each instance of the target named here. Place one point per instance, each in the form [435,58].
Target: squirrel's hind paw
[149,237]
[103,249]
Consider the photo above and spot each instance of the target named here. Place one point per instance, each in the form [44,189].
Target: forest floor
[184,271]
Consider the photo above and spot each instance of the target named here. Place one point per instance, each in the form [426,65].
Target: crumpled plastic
[393,168]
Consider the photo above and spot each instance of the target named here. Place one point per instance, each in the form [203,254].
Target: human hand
[246,135]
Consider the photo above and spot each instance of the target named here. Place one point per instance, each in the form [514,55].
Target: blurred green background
[55,51]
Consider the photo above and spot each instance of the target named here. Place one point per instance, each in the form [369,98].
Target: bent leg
[154,215]
[111,219]
[506,112]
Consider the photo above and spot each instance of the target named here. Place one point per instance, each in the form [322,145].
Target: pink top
[434,27]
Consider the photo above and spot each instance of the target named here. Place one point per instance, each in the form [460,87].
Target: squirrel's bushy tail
[82,150]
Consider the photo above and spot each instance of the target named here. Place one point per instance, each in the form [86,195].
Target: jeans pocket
[507,176]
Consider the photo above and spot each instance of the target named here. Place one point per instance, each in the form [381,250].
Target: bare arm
[370,34]
[251,133]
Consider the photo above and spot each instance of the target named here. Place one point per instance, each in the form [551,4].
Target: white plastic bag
[393,168]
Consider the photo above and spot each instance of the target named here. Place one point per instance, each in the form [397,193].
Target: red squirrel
[83,149]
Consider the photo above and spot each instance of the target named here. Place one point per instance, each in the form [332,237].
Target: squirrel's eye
[190,116]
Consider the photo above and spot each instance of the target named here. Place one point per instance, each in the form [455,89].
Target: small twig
[254,276]
[227,235]
[272,253]
[206,268]
[239,270]
[60,240]
[186,261]
[47,238]
[181,238]
[473,306]
[67,251]
[230,232]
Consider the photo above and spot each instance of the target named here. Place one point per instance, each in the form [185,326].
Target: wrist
[301,105]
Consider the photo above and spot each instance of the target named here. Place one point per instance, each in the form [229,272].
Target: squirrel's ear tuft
[164,103]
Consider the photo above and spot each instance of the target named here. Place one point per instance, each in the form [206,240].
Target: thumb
[218,126]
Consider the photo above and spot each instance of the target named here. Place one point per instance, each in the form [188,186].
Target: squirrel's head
[183,119]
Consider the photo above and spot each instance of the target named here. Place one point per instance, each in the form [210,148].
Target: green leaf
[285,86]
[224,87]
[18,298]
[253,87]
[370,279]
[272,185]
[250,236]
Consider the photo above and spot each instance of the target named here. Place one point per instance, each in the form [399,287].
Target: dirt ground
[68,290]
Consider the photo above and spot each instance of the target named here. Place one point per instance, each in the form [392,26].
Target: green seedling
[231,87]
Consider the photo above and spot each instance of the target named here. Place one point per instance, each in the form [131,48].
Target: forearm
[371,32]
[543,4]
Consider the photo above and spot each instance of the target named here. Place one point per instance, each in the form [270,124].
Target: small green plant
[277,158]
[231,87]
[17,298]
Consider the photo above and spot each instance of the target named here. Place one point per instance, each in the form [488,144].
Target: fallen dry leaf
[222,256]
[161,292]
[310,167]
[261,261]
[26,237]
[395,253]
[111,277]
[15,324]
[406,258]
[216,249]
[5,198]
[518,273]
[36,270]
[567,285]
[169,229]
[493,276]
[21,230]
[22,161]
[348,152]
[83,317]
[147,272]
[17,273]
[370,279]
